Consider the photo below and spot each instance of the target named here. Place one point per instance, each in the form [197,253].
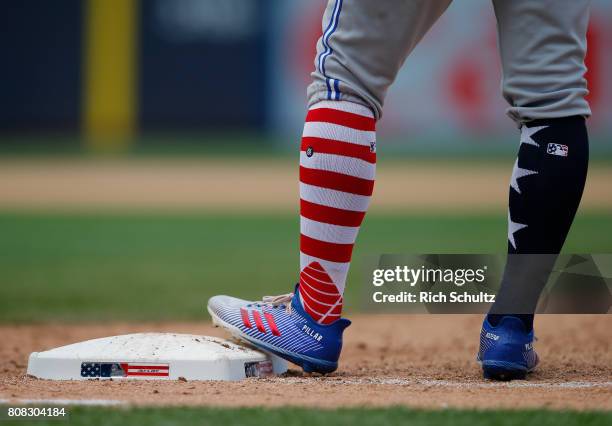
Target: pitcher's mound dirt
[418,361]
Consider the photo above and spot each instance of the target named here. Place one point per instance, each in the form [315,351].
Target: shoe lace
[275,301]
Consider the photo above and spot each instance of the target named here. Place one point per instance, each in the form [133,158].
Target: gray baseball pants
[542,45]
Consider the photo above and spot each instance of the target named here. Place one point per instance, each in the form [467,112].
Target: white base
[154,356]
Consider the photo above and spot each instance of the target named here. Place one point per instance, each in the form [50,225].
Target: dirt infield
[417,361]
[257,185]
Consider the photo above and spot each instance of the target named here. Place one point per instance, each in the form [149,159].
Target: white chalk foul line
[445,383]
[85,402]
[517,384]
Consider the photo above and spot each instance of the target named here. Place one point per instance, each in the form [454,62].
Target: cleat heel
[503,374]
[502,371]
[310,367]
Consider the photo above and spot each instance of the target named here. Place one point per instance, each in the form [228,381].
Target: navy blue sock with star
[545,190]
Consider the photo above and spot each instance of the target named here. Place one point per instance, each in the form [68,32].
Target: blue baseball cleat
[506,350]
[279,325]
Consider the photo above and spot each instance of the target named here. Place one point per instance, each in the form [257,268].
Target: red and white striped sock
[337,168]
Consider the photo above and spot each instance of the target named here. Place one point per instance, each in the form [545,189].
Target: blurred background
[148,151]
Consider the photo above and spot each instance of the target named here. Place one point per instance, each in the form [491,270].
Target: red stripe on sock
[330,215]
[317,266]
[313,314]
[325,285]
[336,181]
[320,276]
[320,309]
[321,287]
[258,321]
[272,323]
[324,250]
[318,312]
[343,118]
[310,288]
[323,308]
[245,318]
[330,146]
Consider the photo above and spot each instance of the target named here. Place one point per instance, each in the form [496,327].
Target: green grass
[301,416]
[80,267]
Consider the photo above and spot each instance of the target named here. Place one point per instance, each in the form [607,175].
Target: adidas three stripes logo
[259,323]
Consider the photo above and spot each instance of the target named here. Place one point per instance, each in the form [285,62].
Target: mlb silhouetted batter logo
[557,149]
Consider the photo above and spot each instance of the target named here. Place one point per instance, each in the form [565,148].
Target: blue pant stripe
[337,89]
[328,50]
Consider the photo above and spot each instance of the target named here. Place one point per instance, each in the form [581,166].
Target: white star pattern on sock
[512,228]
[518,173]
[528,132]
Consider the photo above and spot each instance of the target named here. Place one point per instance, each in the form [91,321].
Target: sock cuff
[345,106]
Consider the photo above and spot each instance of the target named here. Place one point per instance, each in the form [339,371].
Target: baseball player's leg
[363,45]
[542,47]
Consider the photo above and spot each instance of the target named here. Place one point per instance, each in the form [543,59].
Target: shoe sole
[308,364]
[503,370]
